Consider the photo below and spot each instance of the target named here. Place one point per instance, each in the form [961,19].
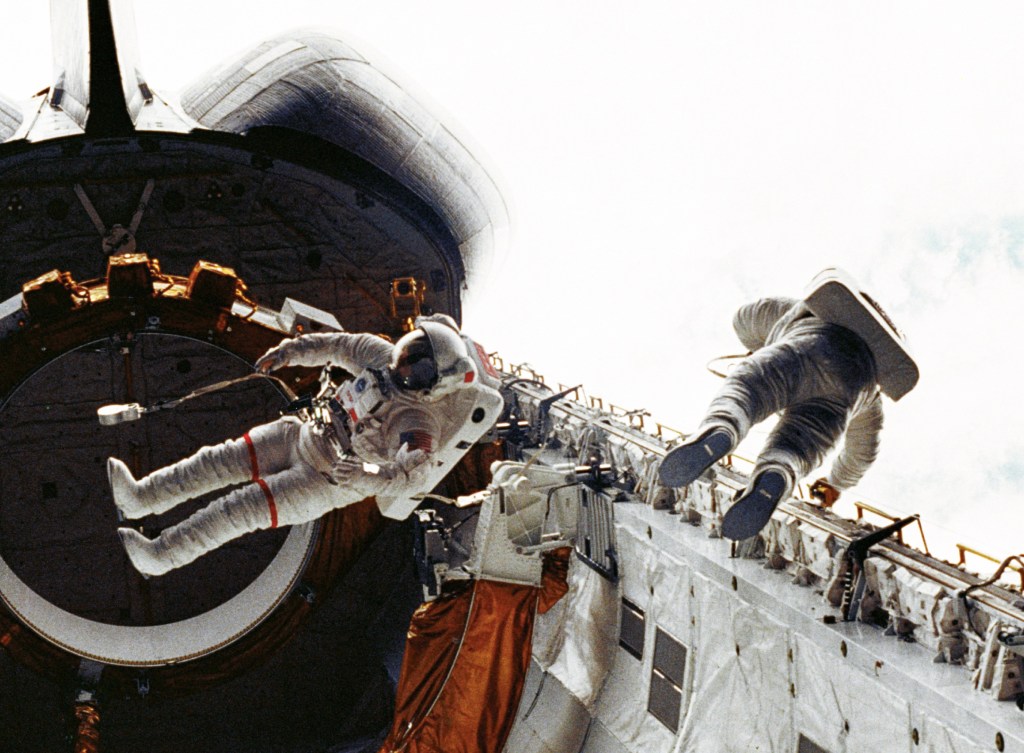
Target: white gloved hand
[406,475]
[347,473]
[273,359]
[404,466]
[409,459]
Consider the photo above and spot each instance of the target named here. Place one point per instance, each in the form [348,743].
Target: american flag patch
[417,440]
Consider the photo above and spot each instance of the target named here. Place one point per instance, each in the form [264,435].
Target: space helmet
[432,358]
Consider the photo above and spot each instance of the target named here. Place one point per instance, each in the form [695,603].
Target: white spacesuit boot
[211,468]
[682,465]
[799,443]
[240,512]
[750,512]
[762,384]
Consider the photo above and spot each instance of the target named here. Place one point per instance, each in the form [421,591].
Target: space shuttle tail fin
[96,65]
[10,118]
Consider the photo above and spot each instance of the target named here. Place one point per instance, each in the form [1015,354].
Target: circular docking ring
[311,555]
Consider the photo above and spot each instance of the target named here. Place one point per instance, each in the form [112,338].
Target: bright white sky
[666,163]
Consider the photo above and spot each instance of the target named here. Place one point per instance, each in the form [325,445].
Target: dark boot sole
[685,463]
[751,512]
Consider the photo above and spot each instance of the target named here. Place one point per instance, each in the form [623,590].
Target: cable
[999,572]
[535,382]
[723,358]
[962,595]
[123,412]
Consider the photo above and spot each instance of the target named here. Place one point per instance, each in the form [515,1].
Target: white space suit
[413,409]
[822,379]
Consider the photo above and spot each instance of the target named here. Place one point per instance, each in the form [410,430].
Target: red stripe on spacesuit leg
[271,504]
[252,456]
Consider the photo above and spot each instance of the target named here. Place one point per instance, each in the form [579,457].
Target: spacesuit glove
[404,465]
[273,359]
[347,473]
[409,459]
[824,492]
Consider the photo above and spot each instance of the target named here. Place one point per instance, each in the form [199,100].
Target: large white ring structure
[160,645]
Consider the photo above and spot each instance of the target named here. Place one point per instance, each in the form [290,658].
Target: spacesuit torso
[837,366]
[379,418]
[376,419]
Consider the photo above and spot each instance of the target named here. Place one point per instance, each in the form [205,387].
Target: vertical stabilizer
[10,118]
[95,54]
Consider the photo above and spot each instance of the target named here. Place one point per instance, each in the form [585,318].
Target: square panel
[669,657]
[631,632]
[664,700]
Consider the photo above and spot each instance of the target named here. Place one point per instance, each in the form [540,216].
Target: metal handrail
[964,550]
[660,429]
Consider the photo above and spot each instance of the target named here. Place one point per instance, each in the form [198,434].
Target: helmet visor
[413,366]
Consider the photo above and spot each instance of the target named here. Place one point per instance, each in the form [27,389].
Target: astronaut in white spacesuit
[406,411]
[821,377]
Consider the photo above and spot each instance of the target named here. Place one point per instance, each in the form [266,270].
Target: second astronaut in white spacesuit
[820,376]
[404,412]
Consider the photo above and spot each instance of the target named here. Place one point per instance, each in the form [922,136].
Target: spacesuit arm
[754,321]
[352,352]
[860,448]
[405,476]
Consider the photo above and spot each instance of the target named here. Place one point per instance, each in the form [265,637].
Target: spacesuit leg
[226,518]
[760,385]
[806,432]
[264,450]
[296,495]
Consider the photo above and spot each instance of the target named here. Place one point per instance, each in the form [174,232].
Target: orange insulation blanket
[465,664]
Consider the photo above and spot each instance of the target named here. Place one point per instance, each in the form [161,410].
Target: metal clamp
[856,554]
